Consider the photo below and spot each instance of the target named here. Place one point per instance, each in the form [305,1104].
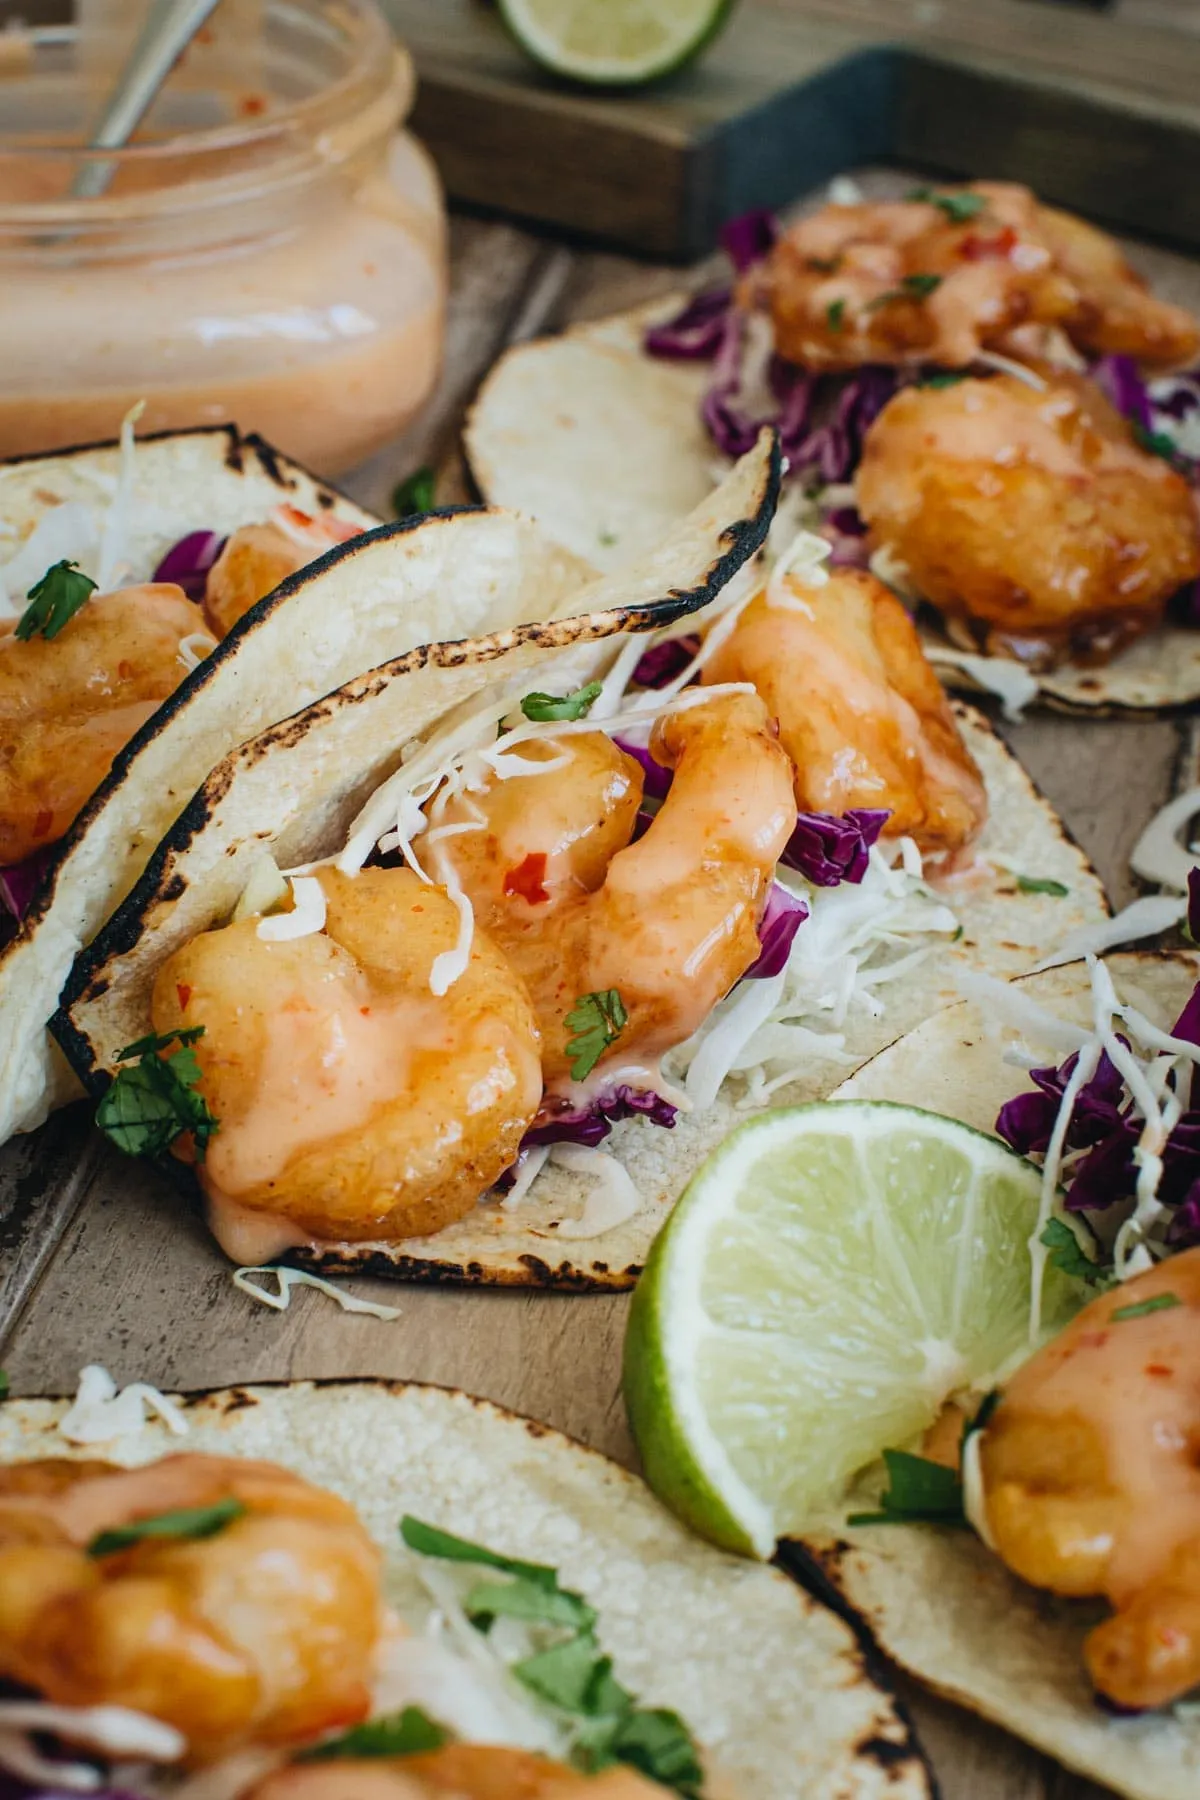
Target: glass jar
[270,251]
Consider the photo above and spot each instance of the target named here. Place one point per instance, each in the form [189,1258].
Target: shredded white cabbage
[974,1500]
[893,571]
[1159,855]
[306,917]
[1012,684]
[288,1279]
[99,1412]
[194,648]
[845,191]
[805,560]
[533,1161]
[1140,919]
[1008,366]
[113,566]
[855,940]
[612,1201]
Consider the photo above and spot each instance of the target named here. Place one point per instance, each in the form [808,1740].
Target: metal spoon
[169,28]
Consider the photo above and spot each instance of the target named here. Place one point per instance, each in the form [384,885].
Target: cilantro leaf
[919,1492]
[150,1104]
[3,1384]
[415,494]
[568,1675]
[594,1022]
[530,1600]
[658,1743]
[1157,1303]
[543,708]
[835,315]
[189,1522]
[1042,884]
[404,1733]
[958,208]
[1068,1255]
[912,287]
[944,378]
[54,601]
[429,1540]
[1159,443]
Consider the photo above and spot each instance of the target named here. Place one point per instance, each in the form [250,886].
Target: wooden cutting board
[1097,112]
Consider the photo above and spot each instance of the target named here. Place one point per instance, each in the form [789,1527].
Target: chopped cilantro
[608,538]
[835,315]
[958,208]
[155,1101]
[1158,443]
[545,708]
[54,601]
[415,494]
[189,1522]
[1157,1303]
[944,378]
[594,1022]
[405,1733]
[3,1384]
[919,1492]
[573,1675]
[987,1407]
[1042,884]
[1068,1255]
[912,287]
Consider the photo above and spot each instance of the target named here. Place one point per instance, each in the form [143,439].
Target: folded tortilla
[774,1686]
[605,445]
[296,789]
[938,1602]
[448,577]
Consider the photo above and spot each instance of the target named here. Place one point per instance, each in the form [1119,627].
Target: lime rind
[615,43]
[828,1278]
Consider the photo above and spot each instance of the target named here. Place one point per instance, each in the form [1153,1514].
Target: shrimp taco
[374,1591]
[977,397]
[116,699]
[976,1383]
[459,973]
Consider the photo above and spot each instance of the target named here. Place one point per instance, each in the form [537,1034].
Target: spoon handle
[169,28]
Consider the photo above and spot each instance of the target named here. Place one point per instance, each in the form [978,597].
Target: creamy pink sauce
[325,337]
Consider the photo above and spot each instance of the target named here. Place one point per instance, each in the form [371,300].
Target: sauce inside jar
[270,250]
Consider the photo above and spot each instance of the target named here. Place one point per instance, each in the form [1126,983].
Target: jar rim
[294,136]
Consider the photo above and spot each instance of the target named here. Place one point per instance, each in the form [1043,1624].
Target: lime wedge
[614,43]
[829,1277]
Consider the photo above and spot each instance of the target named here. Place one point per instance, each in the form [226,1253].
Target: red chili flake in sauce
[980,249]
[365,1011]
[42,824]
[528,879]
[1158,1369]
[251,106]
[124,670]
[183,994]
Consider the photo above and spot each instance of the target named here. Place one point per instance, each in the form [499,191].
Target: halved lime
[614,43]
[829,1277]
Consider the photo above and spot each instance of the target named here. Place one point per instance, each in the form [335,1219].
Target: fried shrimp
[352,1102]
[1032,514]
[459,1772]
[256,558]
[264,1632]
[69,703]
[669,922]
[861,713]
[1091,1478]
[914,281]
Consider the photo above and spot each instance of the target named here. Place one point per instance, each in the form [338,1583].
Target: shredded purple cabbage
[1107,1130]
[1183,399]
[657,783]
[749,238]
[1120,380]
[782,918]
[19,882]
[1193,908]
[591,1124]
[187,563]
[663,662]
[695,334]
[827,849]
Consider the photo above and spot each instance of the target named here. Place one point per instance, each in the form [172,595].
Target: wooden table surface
[101,1265]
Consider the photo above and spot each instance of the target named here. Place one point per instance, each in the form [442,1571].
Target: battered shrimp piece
[256,558]
[906,281]
[353,1102]
[1030,514]
[1091,1479]
[460,1771]
[861,713]
[265,1632]
[669,922]
[69,703]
